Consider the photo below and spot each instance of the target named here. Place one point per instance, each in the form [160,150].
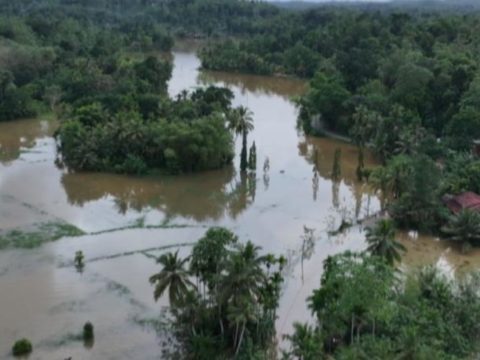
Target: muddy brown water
[43,298]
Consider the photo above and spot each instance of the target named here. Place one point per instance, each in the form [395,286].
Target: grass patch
[37,235]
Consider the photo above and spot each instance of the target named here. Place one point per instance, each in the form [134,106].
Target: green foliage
[232,311]
[208,255]
[233,59]
[411,187]
[241,122]
[337,170]
[37,235]
[14,101]
[364,311]
[461,173]
[414,78]
[79,260]
[88,333]
[252,157]
[22,347]
[341,304]
[463,227]
[327,97]
[58,51]
[381,242]
[304,342]
[182,135]
[173,277]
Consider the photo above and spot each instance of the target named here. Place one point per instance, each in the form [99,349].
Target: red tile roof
[467,200]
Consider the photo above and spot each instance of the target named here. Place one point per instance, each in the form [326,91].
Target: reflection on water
[289,207]
[446,255]
[201,197]
[267,85]
[16,136]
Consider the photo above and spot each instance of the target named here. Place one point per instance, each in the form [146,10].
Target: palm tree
[380,181]
[240,315]
[381,241]
[241,122]
[464,227]
[241,289]
[244,275]
[174,277]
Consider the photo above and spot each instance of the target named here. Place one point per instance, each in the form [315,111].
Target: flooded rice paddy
[121,222]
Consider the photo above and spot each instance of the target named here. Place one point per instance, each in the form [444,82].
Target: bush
[88,334]
[22,347]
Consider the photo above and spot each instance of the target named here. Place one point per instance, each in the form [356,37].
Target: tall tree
[241,122]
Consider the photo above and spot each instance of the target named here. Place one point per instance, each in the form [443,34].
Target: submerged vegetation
[22,347]
[38,235]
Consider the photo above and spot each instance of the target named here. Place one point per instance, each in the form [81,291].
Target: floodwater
[128,219]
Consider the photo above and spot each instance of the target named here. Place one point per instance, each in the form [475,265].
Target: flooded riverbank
[126,220]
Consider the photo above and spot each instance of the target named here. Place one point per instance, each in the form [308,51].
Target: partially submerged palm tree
[464,227]
[241,122]
[381,241]
[173,277]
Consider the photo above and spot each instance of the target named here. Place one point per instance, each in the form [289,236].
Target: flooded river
[126,220]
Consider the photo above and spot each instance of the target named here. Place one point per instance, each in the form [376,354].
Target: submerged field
[121,222]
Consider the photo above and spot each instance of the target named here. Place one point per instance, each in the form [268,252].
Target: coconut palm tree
[381,241]
[241,122]
[244,275]
[173,277]
[464,227]
[238,316]
[241,289]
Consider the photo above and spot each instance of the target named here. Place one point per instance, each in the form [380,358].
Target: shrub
[88,332]
[22,347]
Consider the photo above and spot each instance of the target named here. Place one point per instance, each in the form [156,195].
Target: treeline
[47,54]
[364,311]
[182,17]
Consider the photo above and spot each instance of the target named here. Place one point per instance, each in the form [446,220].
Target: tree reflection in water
[201,197]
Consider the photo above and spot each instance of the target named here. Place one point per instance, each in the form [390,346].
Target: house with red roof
[465,201]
